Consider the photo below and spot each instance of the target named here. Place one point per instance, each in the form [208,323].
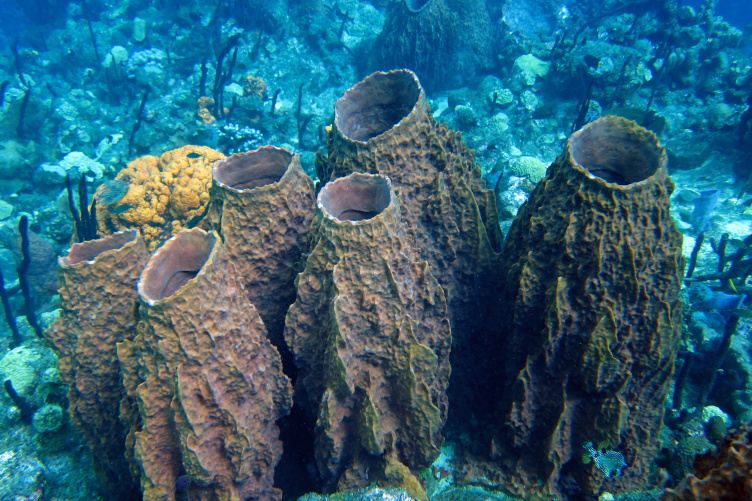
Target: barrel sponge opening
[376,104]
[175,263]
[617,150]
[416,5]
[90,249]
[356,197]
[253,169]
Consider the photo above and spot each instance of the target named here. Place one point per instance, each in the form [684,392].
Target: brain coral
[530,167]
[165,194]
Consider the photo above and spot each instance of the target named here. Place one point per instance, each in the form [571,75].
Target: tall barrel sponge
[98,289]
[262,206]
[384,125]
[447,42]
[593,265]
[212,384]
[371,340]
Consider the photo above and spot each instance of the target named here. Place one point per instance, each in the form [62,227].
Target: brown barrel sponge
[211,384]
[371,339]
[593,266]
[446,42]
[97,290]
[383,125]
[262,206]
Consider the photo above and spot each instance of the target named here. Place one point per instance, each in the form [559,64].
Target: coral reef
[262,206]
[255,86]
[722,475]
[593,269]
[371,339]
[208,384]
[383,125]
[98,288]
[166,194]
[205,106]
[86,87]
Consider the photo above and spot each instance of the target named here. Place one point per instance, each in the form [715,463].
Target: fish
[722,302]
[357,215]
[738,243]
[545,111]
[610,463]
[182,483]
[687,195]
[194,155]
[112,192]
[121,208]
[705,205]
[608,175]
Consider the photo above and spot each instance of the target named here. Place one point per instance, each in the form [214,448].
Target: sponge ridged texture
[207,382]
[97,290]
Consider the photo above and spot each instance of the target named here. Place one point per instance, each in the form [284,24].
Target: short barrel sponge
[207,383]
[97,289]
[371,340]
[593,269]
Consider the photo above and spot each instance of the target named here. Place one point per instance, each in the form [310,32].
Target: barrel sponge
[417,33]
[593,270]
[371,340]
[165,194]
[208,384]
[97,290]
[262,206]
[384,125]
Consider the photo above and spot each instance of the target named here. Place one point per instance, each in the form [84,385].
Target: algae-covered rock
[6,210]
[472,493]
[77,164]
[370,494]
[24,366]
[48,419]
[531,67]
[21,476]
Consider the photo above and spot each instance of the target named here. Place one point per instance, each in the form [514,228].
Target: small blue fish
[182,483]
[704,207]
[609,462]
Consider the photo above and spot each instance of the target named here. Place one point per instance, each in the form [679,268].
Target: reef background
[88,87]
